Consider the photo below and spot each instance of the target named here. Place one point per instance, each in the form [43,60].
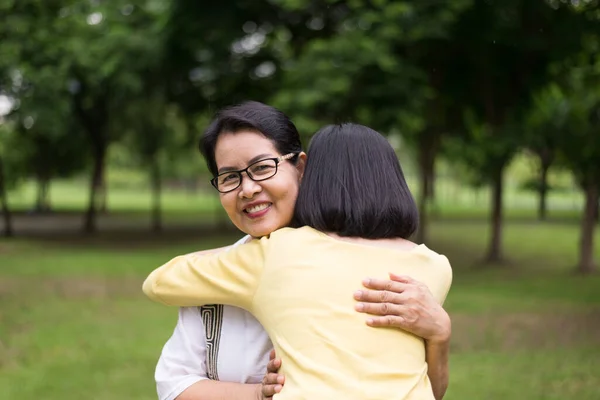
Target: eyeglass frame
[277,160]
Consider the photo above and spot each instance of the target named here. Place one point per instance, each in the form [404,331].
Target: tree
[12,170]
[580,147]
[48,140]
[149,136]
[114,45]
[6,214]
[501,53]
[382,68]
[545,124]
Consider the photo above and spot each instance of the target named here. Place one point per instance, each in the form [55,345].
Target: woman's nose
[249,188]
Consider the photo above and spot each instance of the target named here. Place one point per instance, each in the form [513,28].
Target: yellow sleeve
[230,277]
[442,285]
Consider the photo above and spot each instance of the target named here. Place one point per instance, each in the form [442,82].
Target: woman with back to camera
[220,352]
[355,213]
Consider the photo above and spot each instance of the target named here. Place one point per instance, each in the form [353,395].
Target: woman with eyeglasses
[257,174]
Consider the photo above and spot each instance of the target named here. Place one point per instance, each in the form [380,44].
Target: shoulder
[438,272]
[434,256]
[283,234]
[243,240]
[438,261]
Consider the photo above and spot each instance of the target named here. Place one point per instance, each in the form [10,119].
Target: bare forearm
[437,354]
[214,390]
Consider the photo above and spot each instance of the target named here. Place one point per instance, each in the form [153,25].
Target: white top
[236,349]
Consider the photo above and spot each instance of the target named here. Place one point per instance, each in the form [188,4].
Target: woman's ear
[301,165]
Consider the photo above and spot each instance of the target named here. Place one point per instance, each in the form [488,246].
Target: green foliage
[565,116]
[478,79]
[370,71]
[11,157]
[404,66]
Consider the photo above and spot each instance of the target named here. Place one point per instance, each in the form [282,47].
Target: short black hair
[254,116]
[353,185]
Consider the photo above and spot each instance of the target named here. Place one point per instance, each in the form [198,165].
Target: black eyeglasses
[258,171]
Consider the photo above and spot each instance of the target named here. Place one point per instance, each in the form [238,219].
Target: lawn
[74,324]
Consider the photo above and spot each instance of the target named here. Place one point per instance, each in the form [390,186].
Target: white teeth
[257,208]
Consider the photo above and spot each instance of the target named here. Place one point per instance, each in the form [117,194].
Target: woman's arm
[182,362]
[229,277]
[405,303]
[181,369]
[217,390]
[207,252]
[437,354]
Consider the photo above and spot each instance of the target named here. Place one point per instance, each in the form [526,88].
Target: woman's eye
[228,178]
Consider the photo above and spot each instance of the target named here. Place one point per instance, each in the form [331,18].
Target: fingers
[381,308]
[273,365]
[268,391]
[384,284]
[380,296]
[272,384]
[388,320]
[273,379]
[401,278]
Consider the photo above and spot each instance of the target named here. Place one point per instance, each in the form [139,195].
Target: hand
[404,303]
[272,382]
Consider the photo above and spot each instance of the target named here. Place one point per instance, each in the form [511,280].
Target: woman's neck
[395,243]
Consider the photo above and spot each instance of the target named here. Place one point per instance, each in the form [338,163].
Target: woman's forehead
[242,147]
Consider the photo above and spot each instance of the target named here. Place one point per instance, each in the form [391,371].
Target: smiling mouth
[257,208]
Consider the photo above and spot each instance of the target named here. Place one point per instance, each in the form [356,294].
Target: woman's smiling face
[258,208]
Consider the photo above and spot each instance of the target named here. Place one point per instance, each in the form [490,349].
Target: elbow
[440,391]
[150,288]
[439,394]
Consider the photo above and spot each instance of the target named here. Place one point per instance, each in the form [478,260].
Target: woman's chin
[263,229]
[258,233]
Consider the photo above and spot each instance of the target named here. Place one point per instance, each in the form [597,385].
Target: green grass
[74,324]
[551,374]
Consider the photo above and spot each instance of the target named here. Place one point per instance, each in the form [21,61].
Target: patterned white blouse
[215,342]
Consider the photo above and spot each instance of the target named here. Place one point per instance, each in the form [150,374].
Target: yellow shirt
[299,284]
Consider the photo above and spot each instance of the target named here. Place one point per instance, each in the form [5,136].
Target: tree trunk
[102,194]
[6,215]
[92,111]
[43,200]
[90,221]
[156,184]
[586,243]
[495,246]
[543,191]
[423,217]
[428,146]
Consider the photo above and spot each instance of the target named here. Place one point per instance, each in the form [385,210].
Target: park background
[493,108]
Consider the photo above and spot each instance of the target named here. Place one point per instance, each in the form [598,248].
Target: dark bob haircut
[253,116]
[353,185]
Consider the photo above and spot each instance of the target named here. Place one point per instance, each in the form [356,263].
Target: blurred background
[493,107]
